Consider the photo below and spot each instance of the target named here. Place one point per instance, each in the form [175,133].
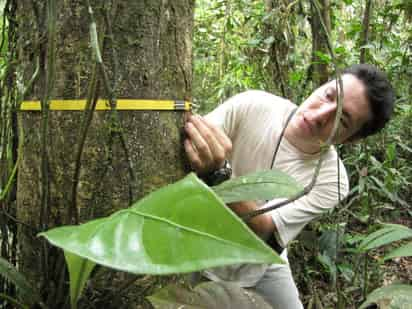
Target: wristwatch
[218,176]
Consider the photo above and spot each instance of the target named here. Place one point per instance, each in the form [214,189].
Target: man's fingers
[198,144]
[222,138]
[193,156]
[207,146]
[216,149]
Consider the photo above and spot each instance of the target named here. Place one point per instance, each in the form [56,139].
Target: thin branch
[49,84]
[87,119]
[339,86]
[50,76]
[12,301]
[9,216]
[112,97]
[279,69]
[110,36]
[222,51]
[3,34]
[21,137]
[10,180]
[32,79]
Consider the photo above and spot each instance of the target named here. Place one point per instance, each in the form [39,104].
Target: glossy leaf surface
[389,233]
[405,250]
[208,295]
[265,185]
[183,227]
[79,271]
[394,296]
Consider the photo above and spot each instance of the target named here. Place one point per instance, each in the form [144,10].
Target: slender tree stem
[365,31]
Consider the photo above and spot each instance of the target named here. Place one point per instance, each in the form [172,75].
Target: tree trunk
[278,27]
[146,50]
[320,24]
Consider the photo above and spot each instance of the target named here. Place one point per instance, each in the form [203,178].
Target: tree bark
[320,72]
[146,48]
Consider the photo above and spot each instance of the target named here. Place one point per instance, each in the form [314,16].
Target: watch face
[222,175]
[218,176]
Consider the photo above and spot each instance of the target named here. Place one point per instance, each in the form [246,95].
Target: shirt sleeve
[290,219]
[229,114]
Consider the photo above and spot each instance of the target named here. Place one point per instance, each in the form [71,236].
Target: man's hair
[380,95]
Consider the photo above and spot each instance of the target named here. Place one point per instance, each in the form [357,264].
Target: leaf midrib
[183,227]
[216,188]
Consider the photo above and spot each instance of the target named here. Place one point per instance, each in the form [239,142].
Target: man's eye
[330,94]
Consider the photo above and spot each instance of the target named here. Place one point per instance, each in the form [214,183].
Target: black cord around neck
[281,136]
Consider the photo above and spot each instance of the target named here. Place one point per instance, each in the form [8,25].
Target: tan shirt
[253,120]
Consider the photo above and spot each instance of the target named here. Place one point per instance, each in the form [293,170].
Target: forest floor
[356,278]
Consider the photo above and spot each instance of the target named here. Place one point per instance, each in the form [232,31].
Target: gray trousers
[276,286]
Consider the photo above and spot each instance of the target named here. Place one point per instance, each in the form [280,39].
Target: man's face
[313,121]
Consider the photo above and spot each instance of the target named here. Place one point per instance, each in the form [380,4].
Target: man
[246,131]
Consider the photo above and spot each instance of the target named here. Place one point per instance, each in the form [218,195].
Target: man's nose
[323,113]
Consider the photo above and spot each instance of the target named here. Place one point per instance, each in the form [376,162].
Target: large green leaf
[397,296]
[25,290]
[208,295]
[405,250]
[79,271]
[183,227]
[264,185]
[389,233]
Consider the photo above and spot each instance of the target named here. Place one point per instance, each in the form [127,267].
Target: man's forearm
[262,225]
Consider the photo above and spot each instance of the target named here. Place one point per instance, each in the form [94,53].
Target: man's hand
[207,146]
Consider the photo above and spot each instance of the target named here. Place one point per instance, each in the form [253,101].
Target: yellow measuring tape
[121,104]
